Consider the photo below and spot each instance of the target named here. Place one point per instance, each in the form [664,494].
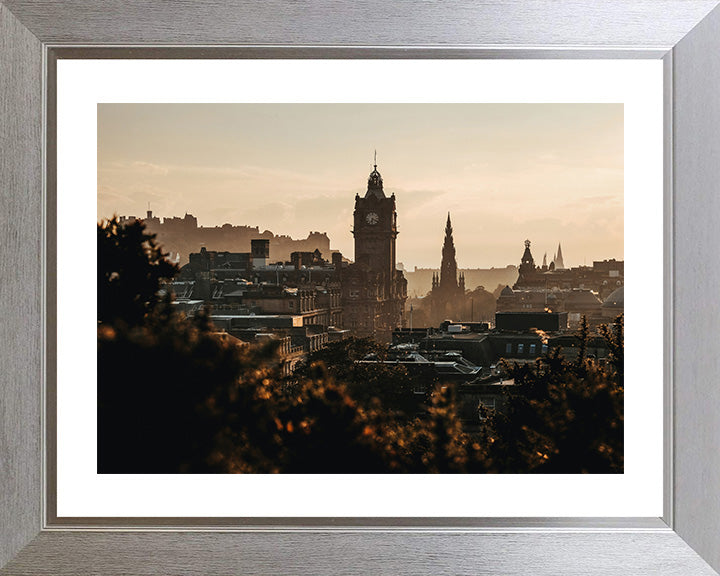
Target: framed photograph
[97,92]
[498,138]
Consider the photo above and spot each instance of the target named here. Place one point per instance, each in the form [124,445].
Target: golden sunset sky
[506,172]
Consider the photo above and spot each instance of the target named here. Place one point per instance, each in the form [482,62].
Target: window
[508,348]
[521,348]
[532,349]
[544,348]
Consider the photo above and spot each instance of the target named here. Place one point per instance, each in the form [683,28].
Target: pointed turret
[526,270]
[375,183]
[527,261]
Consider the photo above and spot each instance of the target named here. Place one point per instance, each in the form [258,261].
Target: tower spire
[559,258]
[448,267]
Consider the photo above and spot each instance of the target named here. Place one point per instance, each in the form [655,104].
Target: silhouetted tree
[483,304]
[154,384]
[563,416]
[131,269]
[373,384]
[175,396]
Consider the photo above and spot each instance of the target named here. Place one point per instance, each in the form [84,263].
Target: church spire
[559,265]
[448,267]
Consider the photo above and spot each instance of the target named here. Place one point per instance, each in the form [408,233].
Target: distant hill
[183,236]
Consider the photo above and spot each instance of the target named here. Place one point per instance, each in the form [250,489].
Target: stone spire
[448,267]
[559,259]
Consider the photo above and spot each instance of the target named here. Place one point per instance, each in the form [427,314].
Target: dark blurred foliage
[371,383]
[154,383]
[131,268]
[564,416]
[174,396]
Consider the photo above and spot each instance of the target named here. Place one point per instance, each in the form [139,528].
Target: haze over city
[506,172]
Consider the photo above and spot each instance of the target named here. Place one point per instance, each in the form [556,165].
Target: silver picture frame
[684,34]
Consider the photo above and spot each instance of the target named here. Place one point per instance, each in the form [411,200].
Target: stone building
[255,300]
[447,297]
[373,289]
[578,291]
[602,277]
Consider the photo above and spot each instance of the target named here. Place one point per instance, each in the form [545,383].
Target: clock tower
[374,291]
[375,231]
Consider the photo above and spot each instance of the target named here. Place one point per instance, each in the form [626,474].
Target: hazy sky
[506,172]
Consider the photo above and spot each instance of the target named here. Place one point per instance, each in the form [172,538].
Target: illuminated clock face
[372,218]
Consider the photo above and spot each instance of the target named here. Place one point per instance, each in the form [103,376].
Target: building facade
[580,291]
[447,297]
[373,289]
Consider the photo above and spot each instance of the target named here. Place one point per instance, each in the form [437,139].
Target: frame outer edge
[581,23]
[20,284]
[20,250]
[696,112]
[322,554]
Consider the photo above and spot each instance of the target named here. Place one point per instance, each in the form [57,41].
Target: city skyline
[505,172]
